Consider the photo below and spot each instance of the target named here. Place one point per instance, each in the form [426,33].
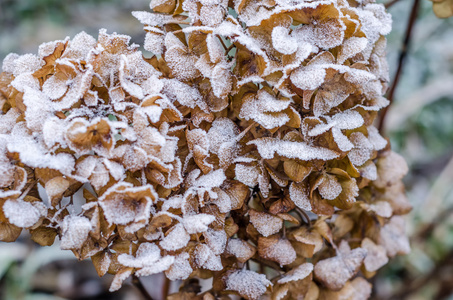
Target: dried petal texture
[248,284]
[242,250]
[266,224]
[84,136]
[181,268]
[297,273]
[148,259]
[22,213]
[276,249]
[74,232]
[336,271]
[393,238]
[265,109]
[124,204]
[357,289]
[376,255]
[268,147]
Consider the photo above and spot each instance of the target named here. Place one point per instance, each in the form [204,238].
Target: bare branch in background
[401,60]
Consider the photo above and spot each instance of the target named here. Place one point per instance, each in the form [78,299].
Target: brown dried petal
[276,249]
[334,272]
[376,255]
[248,284]
[242,250]
[9,232]
[266,224]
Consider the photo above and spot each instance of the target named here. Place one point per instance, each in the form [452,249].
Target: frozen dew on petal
[330,188]
[124,204]
[75,231]
[268,147]
[276,249]
[181,268]
[119,278]
[308,79]
[158,267]
[22,213]
[334,272]
[299,195]
[240,249]
[197,223]
[177,238]
[376,255]
[147,254]
[248,284]
[266,224]
[148,259]
[282,42]
[205,258]
[297,273]
[216,240]
[266,110]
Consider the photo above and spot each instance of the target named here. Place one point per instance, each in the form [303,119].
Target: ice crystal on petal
[176,238]
[241,249]
[268,147]
[336,271]
[282,42]
[297,273]
[299,195]
[124,204]
[266,224]
[22,213]
[248,284]
[181,268]
[206,258]
[75,231]
[265,110]
[197,223]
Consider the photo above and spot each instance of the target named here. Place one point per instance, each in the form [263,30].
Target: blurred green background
[419,124]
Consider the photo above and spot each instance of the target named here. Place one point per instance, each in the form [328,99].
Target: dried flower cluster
[243,150]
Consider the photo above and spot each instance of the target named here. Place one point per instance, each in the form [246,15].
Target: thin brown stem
[29,188]
[139,285]
[166,288]
[307,218]
[221,41]
[176,31]
[401,60]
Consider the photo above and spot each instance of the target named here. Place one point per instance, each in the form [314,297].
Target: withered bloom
[247,137]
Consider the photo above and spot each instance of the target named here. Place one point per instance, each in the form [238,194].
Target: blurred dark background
[419,124]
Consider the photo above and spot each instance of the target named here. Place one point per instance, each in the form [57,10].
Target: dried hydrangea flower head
[243,150]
